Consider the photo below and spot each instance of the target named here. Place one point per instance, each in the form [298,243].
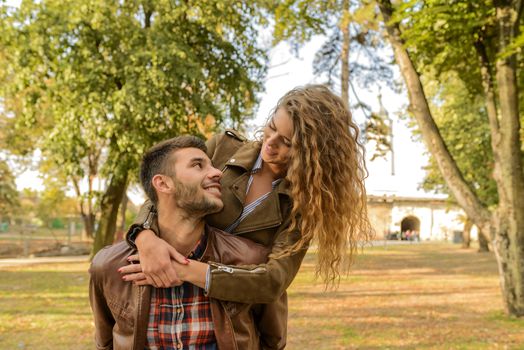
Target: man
[178,177]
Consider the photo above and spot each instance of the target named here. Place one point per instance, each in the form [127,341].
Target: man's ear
[162,183]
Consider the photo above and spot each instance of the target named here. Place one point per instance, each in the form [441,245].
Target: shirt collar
[199,248]
[258,164]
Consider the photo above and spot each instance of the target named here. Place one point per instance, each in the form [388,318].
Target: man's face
[197,183]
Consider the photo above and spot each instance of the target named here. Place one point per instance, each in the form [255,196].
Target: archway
[410,228]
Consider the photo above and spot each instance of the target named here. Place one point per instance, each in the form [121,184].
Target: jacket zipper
[231,270]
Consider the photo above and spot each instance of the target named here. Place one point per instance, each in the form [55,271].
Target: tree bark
[119,235]
[123,210]
[88,217]
[487,76]
[466,234]
[89,224]
[109,212]
[344,54]
[509,218]
[483,242]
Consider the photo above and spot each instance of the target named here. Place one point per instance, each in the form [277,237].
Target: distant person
[178,177]
[303,182]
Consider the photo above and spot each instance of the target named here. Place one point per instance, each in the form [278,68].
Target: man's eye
[199,165]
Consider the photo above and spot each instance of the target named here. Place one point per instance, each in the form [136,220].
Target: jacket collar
[246,156]
[284,187]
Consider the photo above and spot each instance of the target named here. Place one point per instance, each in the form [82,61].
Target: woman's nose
[272,140]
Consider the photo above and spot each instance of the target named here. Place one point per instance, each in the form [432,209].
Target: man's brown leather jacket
[121,309]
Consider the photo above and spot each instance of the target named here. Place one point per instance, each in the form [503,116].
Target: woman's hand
[155,257]
[133,272]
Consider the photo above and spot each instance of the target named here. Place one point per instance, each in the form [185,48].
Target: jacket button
[235,187]
[232,160]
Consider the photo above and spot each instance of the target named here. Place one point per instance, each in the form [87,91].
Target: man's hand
[155,262]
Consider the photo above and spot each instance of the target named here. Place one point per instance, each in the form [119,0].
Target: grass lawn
[419,296]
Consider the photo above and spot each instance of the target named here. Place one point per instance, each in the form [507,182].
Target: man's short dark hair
[157,160]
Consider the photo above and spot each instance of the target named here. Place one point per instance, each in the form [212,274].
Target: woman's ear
[162,183]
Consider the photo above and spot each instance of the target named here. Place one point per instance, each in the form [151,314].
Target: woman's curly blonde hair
[326,173]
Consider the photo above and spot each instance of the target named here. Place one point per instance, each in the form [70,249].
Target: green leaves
[125,74]
[440,35]
[95,83]
[9,199]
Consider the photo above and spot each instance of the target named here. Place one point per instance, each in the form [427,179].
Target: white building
[433,218]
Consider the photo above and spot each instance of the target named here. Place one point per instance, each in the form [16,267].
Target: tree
[9,200]
[352,48]
[104,80]
[53,202]
[349,26]
[487,30]
[460,115]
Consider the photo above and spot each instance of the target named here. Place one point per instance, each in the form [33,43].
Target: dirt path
[42,260]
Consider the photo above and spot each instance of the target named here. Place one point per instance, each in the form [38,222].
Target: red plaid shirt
[180,317]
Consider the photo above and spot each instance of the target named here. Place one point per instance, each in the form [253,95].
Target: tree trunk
[123,210]
[109,212]
[88,217]
[429,130]
[89,224]
[344,54]
[486,73]
[509,218]
[483,242]
[119,235]
[466,234]
[506,224]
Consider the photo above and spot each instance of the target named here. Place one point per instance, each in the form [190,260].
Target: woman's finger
[131,268]
[179,258]
[132,277]
[133,258]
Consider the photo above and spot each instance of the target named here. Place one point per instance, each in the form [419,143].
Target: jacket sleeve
[262,283]
[104,321]
[146,218]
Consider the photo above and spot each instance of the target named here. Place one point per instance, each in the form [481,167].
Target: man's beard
[188,199]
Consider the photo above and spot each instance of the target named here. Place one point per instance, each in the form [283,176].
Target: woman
[304,183]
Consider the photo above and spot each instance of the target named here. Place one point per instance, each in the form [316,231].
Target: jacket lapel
[267,214]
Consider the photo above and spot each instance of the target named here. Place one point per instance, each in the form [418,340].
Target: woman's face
[276,146]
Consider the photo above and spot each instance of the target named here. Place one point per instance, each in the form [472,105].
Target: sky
[288,71]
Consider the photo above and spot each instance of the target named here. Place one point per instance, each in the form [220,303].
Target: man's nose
[215,173]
